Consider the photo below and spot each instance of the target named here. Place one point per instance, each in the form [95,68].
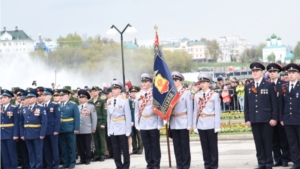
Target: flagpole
[168,144]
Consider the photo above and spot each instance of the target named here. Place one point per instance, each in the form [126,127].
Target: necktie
[292,88]
[146,95]
[203,95]
[256,85]
[81,107]
[114,102]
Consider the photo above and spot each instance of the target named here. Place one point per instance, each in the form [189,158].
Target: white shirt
[275,81]
[5,106]
[257,83]
[290,85]
[47,103]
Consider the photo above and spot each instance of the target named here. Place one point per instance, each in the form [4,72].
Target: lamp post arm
[125,28]
[113,26]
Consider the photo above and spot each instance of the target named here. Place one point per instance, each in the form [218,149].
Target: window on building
[280,55]
[23,43]
[9,44]
[4,44]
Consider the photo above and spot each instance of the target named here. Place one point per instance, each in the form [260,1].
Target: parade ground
[236,153]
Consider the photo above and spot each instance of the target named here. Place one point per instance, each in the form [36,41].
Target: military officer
[56,97]
[9,131]
[71,97]
[33,129]
[88,122]
[99,135]
[261,113]
[281,152]
[70,120]
[137,143]
[289,112]
[53,126]
[40,91]
[148,122]
[119,125]
[206,121]
[181,121]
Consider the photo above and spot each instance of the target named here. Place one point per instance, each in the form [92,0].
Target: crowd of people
[46,127]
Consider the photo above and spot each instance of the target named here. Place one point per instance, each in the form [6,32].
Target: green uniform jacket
[100,106]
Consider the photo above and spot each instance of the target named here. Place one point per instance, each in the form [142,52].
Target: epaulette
[73,102]
[285,84]
[41,105]
[124,97]
[54,102]
[13,106]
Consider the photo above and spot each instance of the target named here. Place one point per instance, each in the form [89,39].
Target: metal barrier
[234,105]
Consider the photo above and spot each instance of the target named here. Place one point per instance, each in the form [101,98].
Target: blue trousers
[35,152]
[9,154]
[51,151]
[24,153]
[67,147]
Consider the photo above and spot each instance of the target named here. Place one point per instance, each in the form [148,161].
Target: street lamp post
[112,31]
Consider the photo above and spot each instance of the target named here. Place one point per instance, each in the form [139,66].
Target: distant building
[46,45]
[15,42]
[274,46]
[130,45]
[196,48]
[232,47]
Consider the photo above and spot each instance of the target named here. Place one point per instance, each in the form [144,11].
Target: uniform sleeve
[246,107]
[195,115]
[274,102]
[127,113]
[76,117]
[136,113]
[281,106]
[44,121]
[21,122]
[57,116]
[94,117]
[108,119]
[103,113]
[217,107]
[16,122]
[189,106]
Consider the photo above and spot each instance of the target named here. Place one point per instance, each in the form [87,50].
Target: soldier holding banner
[206,121]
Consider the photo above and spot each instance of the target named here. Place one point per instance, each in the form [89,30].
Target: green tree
[248,55]
[271,57]
[297,51]
[213,48]
[259,48]
[71,40]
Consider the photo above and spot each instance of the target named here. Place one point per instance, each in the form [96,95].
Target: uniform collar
[6,106]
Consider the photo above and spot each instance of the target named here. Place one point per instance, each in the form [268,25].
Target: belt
[67,119]
[32,125]
[207,115]
[148,115]
[118,119]
[179,114]
[7,125]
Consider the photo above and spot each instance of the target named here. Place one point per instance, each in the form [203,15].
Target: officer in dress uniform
[40,98]
[281,152]
[289,112]
[51,139]
[137,143]
[56,97]
[33,129]
[88,122]
[9,131]
[261,113]
[119,125]
[99,135]
[181,121]
[69,126]
[108,94]
[71,97]
[206,120]
[148,122]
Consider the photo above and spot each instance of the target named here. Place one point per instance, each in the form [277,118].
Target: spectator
[233,94]
[240,89]
[226,98]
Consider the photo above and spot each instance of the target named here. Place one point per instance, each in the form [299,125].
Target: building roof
[288,56]
[184,39]
[130,45]
[274,46]
[278,38]
[268,39]
[273,36]
[190,43]
[17,35]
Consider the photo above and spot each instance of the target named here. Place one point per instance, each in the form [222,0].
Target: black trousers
[108,143]
[84,147]
[281,152]
[120,142]
[209,145]
[262,133]
[181,143]
[137,143]
[152,148]
[293,136]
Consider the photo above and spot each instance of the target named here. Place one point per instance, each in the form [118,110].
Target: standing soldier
[207,112]
[148,122]
[68,128]
[99,135]
[9,131]
[51,139]
[56,97]
[33,129]
[71,97]
[289,112]
[137,143]
[40,98]
[88,122]
[181,121]
[281,152]
[119,125]
[108,95]
[261,113]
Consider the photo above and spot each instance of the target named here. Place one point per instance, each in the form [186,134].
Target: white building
[275,46]
[231,47]
[15,42]
[196,48]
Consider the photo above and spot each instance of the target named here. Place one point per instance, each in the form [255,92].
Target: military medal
[297,95]
[51,109]
[9,114]
[37,112]
[261,91]
[277,94]
[249,90]
[120,107]
[266,91]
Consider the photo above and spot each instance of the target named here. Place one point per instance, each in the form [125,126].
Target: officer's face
[132,94]
[24,102]
[293,76]
[41,98]
[146,84]
[18,98]
[273,74]
[177,82]
[5,100]
[256,74]
[82,99]
[31,100]
[95,93]
[116,91]
[56,98]
[64,97]
[47,97]
[205,85]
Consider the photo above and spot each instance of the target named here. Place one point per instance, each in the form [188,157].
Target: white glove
[196,131]
[159,127]
[137,128]
[127,134]
[189,128]
[165,122]
[217,130]
[108,135]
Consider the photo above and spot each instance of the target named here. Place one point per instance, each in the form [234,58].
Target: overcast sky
[253,19]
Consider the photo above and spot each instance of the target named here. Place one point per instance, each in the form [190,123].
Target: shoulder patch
[13,106]
[73,102]
[41,105]
[54,102]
